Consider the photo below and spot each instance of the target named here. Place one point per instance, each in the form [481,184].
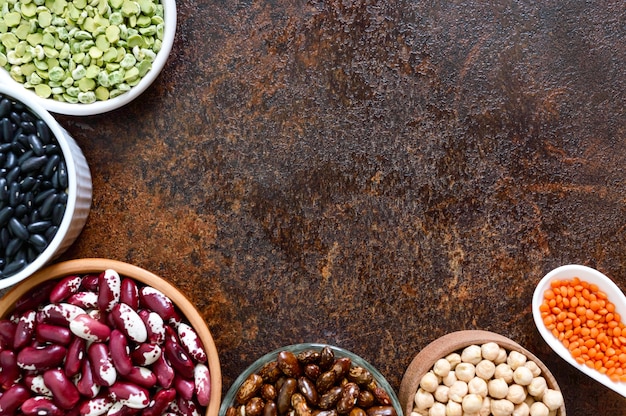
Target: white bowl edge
[99,107]
[614,294]
[79,189]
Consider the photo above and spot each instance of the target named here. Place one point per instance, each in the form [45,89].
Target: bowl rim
[356,359]
[455,341]
[99,107]
[605,284]
[63,139]
[93,265]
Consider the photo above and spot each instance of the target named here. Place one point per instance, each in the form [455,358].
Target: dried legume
[33,186]
[514,387]
[585,321]
[311,382]
[80,51]
[66,353]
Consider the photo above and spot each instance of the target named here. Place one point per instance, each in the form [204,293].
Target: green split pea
[80,51]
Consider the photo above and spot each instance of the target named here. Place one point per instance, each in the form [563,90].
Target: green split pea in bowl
[84,57]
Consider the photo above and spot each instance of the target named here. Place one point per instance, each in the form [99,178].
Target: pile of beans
[485,380]
[80,51]
[311,382]
[33,186]
[100,344]
[582,317]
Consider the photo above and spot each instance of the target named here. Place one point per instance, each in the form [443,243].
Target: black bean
[5,107]
[4,190]
[28,183]
[13,247]
[48,205]
[42,196]
[51,149]
[38,241]
[18,229]
[24,155]
[51,166]
[15,117]
[39,226]
[5,237]
[6,128]
[62,198]
[57,213]
[32,254]
[63,178]
[36,145]
[27,126]
[13,174]
[5,214]
[34,163]
[43,131]
[15,196]
[20,211]
[5,147]
[10,161]
[51,232]
[14,267]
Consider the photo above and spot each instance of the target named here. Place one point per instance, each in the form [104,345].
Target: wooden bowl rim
[456,341]
[93,265]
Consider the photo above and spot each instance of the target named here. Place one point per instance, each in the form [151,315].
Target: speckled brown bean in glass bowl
[386,402]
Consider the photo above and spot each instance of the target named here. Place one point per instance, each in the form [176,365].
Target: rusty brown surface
[371,174]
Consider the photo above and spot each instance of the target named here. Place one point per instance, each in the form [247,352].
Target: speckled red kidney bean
[118,347]
[129,322]
[163,371]
[63,390]
[58,314]
[178,358]
[191,343]
[38,358]
[185,387]
[160,402]
[202,383]
[130,395]
[85,300]
[141,376]
[109,287]
[34,297]
[55,334]
[75,355]
[24,330]
[102,368]
[155,326]
[40,406]
[86,385]
[12,398]
[10,373]
[154,300]
[7,333]
[66,287]
[129,293]
[84,326]
[145,354]
[97,406]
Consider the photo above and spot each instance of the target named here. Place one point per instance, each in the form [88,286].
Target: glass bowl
[229,399]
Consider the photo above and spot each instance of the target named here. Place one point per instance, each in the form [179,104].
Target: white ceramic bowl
[614,294]
[98,107]
[79,189]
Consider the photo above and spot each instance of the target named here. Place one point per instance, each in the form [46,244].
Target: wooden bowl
[85,266]
[455,342]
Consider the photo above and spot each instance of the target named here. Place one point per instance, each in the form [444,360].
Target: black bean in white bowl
[45,187]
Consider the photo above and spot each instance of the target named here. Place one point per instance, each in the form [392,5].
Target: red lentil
[580,315]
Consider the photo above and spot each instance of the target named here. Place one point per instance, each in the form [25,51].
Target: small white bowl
[79,189]
[99,107]
[614,294]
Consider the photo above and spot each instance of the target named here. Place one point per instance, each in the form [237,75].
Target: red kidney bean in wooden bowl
[310,380]
[97,337]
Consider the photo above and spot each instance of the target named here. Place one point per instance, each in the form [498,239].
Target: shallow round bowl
[99,107]
[86,266]
[79,189]
[455,342]
[229,399]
